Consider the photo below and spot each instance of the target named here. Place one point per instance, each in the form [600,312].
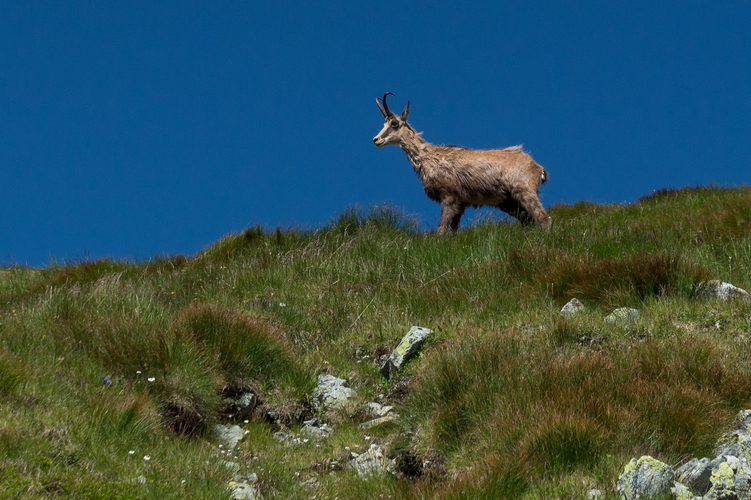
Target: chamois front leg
[533,208]
[451,214]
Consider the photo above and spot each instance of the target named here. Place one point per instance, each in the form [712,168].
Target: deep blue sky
[134,128]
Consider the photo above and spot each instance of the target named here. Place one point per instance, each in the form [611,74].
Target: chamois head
[395,126]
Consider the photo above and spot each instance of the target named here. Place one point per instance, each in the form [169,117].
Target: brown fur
[458,177]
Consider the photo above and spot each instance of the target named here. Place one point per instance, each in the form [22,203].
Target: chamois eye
[394,124]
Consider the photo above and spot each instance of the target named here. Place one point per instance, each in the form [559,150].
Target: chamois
[457,177]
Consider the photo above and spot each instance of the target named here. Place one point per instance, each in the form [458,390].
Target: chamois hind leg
[451,214]
[530,206]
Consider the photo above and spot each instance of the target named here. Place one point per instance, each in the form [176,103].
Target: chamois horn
[385,108]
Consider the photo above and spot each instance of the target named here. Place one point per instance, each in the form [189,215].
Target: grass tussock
[613,282]
[113,373]
[246,349]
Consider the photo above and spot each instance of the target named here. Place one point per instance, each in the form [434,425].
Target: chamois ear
[405,113]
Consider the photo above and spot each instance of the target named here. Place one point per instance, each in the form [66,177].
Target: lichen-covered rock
[243,491]
[716,289]
[731,479]
[644,478]
[228,435]
[622,315]
[331,392]
[736,444]
[723,481]
[408,347]
[372,462]
[680,492]
[695,475]
[572,307]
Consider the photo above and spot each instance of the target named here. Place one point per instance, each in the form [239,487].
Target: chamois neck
[416,148]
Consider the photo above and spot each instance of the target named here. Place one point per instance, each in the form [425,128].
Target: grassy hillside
[508,399]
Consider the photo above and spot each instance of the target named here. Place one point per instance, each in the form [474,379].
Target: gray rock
[372,462]
[315,430]
[311,483]
[378,421]
[408,347]
[695,475]
[228,435]
[244,404]
[251,478]
[645,477]
[332,392]
[594,493]
[716,289]
[283,437]
[742,484]
[572,307]
[622,315]
[231,466]
[379,410]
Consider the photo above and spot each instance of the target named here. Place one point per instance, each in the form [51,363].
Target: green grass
[507,400]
